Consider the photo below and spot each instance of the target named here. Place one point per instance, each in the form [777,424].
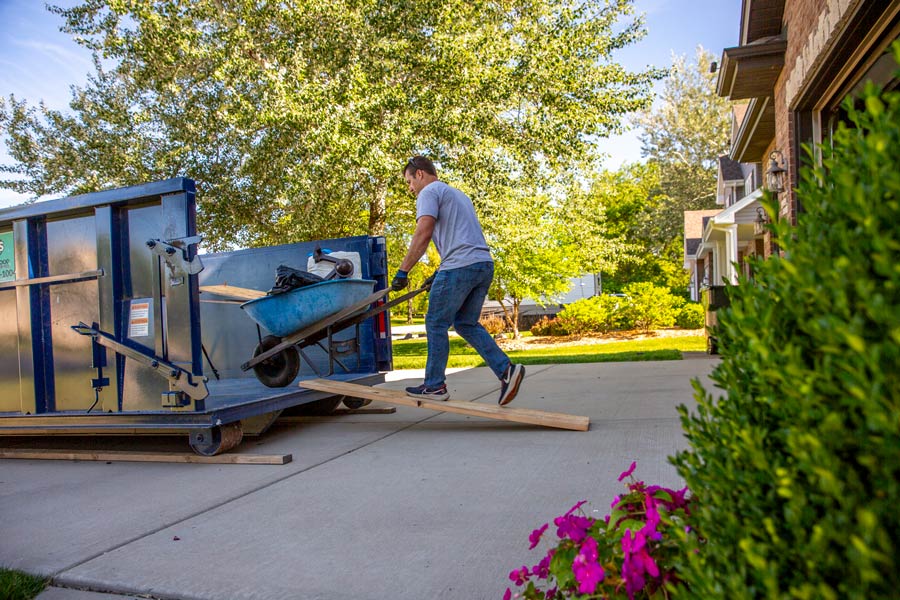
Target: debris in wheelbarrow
[288,278]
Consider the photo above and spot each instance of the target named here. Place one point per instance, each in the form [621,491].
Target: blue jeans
[456,298]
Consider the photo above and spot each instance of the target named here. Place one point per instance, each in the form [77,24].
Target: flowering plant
[631,553]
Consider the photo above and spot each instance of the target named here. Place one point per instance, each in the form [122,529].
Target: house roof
[727,216]
[730,169]
[693,222]
[750,71]
[756,132]
[691,246]
[738,111]
[760,18]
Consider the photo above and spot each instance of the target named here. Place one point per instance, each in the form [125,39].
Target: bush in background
[549,326]
[595,314]
[797,468]
[691,316]
[495,325]
[651,306]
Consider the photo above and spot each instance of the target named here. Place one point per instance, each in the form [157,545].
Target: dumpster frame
[65,386]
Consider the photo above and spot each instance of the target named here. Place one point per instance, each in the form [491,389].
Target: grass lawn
[15,585]
[410,354]
[401,321]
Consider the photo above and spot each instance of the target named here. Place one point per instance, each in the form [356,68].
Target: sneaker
[434,393]
[509,383]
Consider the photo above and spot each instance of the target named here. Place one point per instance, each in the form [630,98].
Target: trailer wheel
[216,440]
[279,370]
[355,403]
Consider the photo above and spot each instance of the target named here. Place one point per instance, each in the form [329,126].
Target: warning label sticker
[139,318]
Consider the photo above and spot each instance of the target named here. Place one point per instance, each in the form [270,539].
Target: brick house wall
[812,28]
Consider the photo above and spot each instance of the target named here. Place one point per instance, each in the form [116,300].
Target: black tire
[355,403]
[216,440]
[279,370]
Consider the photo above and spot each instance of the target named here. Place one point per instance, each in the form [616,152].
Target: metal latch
[182,384]
[175,253]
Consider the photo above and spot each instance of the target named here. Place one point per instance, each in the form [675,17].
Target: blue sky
[38,62]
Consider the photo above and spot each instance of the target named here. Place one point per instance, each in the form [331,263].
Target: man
[446,215]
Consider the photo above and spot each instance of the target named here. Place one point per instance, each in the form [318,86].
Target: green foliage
[523,229]
[685,136]
[691,316]
[651,306]
[798,465]
[682,138]
[595,314]
[15,585]
[294,118]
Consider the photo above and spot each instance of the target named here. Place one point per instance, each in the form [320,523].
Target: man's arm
[421,238]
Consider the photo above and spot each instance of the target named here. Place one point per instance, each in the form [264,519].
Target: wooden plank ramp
[473,409]
[232,291]
[132,456]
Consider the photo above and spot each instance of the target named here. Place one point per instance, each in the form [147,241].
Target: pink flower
[535,536]
[637,562]
[542,569]
[649,529]
[508,594]
[572,526]
[588,572]
[628,472]
[519,576]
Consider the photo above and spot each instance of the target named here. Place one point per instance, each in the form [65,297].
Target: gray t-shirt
[457,232]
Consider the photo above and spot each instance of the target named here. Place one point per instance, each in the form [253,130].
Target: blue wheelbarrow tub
[287,313]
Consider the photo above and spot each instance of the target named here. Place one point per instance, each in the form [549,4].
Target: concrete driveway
[406,506]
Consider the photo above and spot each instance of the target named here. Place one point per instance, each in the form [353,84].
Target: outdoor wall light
[762,219]
[775,172]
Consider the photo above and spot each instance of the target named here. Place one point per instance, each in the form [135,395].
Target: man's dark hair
[419,163]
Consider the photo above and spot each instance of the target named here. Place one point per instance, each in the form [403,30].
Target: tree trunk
[409,312]
[509,319]
[516,303]
[377,213]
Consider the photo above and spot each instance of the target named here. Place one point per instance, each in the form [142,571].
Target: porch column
[731,253]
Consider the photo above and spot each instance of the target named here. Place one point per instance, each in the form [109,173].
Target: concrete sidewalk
[410,505]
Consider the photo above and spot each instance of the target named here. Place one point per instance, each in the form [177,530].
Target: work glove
[429,281]
[400,281]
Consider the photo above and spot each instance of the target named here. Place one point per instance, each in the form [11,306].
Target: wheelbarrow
[306,316]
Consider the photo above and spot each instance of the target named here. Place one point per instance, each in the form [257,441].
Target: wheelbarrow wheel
[355,403]
[279,370]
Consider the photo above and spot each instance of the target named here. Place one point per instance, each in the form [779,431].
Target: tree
[533,258]
[685,136]
[293,117]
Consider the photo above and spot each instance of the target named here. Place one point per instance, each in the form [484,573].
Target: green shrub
[548,326]
[797,467]
[691,316]
[651,306]
[597,314]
